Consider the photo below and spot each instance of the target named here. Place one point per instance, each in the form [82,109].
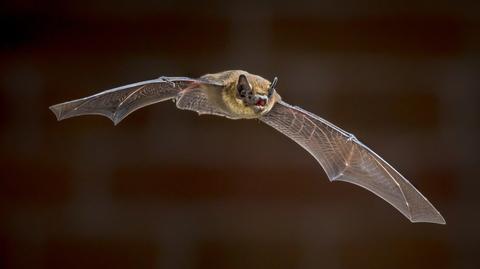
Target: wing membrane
[345,158]
[118,103]
[197,100]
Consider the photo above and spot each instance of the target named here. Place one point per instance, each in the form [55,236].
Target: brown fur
[228,98]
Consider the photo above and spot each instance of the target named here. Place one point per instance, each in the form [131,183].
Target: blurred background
[166,188]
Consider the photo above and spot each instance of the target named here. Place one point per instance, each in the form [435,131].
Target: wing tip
[64,111]
[436,219]
[57,111]
[117,118]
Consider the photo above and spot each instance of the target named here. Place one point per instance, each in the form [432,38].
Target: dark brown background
[169,189]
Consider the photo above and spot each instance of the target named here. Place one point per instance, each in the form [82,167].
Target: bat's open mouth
[261,102]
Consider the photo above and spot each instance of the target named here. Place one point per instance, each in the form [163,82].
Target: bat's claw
[166,79]
[351,137]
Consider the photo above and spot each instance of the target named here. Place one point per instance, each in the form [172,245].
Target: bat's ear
[243,87]
[271,89]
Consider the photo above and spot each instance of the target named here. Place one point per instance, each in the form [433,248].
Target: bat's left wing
[345,158]
[119,102]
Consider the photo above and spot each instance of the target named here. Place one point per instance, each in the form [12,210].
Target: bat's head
[255,92]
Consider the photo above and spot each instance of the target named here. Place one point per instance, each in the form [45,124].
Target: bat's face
[253,95]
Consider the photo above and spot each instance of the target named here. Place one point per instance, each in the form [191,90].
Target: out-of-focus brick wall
[164,190]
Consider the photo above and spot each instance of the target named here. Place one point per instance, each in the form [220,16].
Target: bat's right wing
[345,158]
[119,102]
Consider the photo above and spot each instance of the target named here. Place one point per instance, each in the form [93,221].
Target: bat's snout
[261,101]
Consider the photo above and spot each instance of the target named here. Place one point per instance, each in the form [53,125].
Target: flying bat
[240,95]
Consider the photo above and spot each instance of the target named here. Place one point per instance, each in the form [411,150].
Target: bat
[238,94]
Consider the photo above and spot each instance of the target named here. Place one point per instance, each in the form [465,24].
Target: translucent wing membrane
[197,100]
[119,102]
[345,158]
